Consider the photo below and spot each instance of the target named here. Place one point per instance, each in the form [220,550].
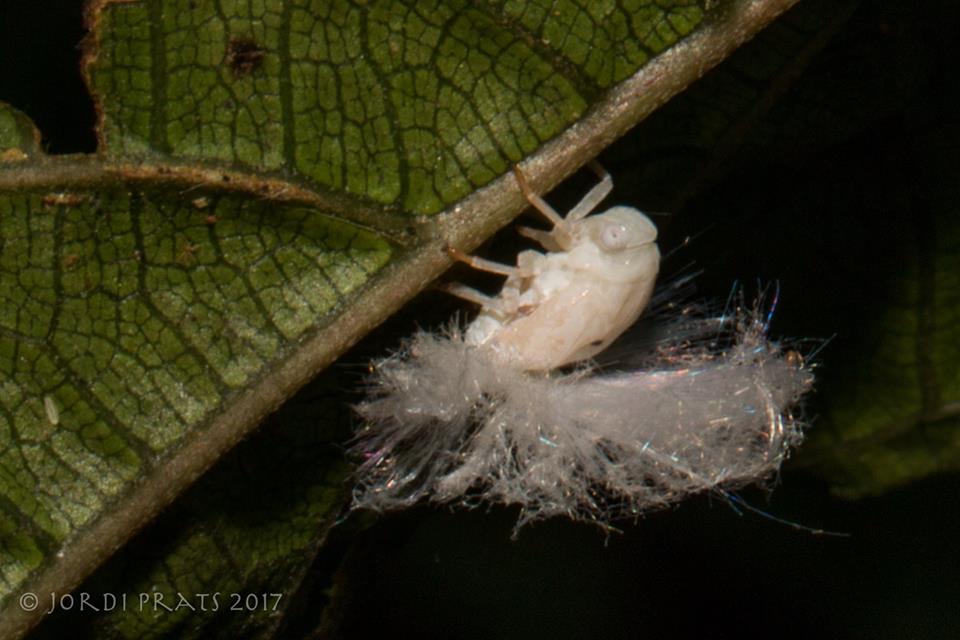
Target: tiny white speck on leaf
[52,410]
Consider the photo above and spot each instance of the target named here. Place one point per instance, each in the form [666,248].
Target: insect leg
[595,196]
[546,239]
[470,294]
[538,203]
[482,264]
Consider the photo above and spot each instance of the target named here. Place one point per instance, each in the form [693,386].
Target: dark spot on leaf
[244,56]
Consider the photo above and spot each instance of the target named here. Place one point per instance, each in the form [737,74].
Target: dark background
[829,192]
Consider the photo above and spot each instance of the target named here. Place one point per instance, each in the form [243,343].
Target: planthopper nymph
[512,409]
[570,303]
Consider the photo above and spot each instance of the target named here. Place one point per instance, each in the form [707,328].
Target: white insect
[570,304]
[485,415]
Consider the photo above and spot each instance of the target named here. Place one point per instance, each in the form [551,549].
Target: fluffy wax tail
[450,423]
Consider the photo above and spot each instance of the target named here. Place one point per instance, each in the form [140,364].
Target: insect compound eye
[613,236]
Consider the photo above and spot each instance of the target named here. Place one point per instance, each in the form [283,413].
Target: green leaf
[252,211]
[131,318]
[413,105]
[251,526]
